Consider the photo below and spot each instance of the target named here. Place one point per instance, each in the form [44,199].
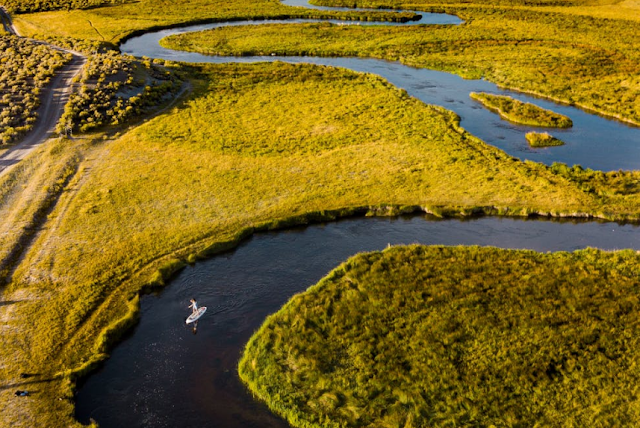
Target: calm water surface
[165,376]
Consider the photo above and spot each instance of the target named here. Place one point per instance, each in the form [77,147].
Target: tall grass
[453,336]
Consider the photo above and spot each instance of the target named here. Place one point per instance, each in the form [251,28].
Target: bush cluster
[113,89]
[27,67]
[542,139]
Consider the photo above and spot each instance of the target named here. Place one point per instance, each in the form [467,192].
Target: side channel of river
[164,375]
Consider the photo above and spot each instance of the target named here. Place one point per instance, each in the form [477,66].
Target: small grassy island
[542,139]
[521,113]
[456,336]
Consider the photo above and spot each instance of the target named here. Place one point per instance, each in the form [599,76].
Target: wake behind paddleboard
[196,315]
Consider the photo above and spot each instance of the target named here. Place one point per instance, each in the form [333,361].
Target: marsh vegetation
[196,180]
[115,216]
[455,336]
[585,61]
[520,112]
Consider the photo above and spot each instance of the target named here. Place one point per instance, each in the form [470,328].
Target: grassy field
[522,113]
[193,181]
[113,23]
[456,336]
[22,6]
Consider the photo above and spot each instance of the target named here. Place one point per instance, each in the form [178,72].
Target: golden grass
[547,54]
[113,23]
[234,159]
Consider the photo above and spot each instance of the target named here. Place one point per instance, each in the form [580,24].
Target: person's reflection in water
[195,327]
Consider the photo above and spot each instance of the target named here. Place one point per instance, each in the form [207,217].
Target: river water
[166,375]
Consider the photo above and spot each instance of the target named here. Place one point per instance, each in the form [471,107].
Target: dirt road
[53,100]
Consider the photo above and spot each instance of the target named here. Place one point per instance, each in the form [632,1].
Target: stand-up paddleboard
[196,315]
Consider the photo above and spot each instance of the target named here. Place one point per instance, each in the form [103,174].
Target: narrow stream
[164,375]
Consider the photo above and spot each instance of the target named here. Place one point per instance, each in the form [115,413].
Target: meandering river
[164,375]
[593,141]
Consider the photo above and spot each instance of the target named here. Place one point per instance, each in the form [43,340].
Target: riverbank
[243,286]
[233,160]
[573,59]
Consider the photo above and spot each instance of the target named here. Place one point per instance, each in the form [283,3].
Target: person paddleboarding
[196,313]
[194,305]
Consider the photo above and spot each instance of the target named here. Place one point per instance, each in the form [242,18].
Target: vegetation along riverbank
[586,61]
[195,180]
[456,336]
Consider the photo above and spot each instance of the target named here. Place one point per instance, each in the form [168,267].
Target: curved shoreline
[163,272]
[173,296]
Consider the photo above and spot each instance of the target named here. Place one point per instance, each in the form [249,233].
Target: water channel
[593,141]
[164,375]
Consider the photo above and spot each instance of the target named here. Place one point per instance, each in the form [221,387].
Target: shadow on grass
[9,302]
[25,383]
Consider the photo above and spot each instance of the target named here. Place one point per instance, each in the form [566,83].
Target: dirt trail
[6,21]
[53,100]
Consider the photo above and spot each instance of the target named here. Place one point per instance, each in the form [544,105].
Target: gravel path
[53,100]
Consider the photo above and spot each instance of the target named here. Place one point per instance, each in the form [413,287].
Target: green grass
[521,113]
[542,139]
[456,336]
[255,147]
